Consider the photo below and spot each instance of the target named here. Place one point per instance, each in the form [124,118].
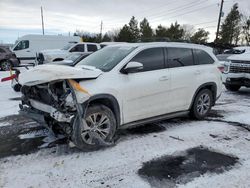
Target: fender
[113,104]
[206,85]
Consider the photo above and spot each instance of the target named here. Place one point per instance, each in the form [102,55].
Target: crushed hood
[47,73]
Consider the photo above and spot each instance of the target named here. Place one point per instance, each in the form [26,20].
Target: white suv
[121,86]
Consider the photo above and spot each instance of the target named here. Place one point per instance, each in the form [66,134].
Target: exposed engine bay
[52,100]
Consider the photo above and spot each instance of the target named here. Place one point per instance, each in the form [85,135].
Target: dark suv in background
[7,59]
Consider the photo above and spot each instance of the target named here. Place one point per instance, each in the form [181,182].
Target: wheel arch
[209,85]
[109,101]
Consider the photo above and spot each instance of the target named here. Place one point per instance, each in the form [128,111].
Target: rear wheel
[98,130]
[202,104]
[232,87]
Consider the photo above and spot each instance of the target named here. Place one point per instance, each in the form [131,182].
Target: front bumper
[42,109]
[237,81]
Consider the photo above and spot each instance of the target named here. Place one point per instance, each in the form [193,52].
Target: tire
[232,87]
[17,87]
[202,104]
[81,137]
[6,65]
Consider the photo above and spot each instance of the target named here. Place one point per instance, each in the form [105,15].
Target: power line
[191,11]
[202,23]
[161,6]
[169,11]
[179,9]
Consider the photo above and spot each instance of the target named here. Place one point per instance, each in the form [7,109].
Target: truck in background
[27,46]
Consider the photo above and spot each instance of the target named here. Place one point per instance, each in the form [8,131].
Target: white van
[27,46]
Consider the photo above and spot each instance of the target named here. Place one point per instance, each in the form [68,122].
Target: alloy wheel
[6,65]
[203,104]
[97,123]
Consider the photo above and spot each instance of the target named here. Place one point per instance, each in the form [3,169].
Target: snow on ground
[7,105]
[118,166]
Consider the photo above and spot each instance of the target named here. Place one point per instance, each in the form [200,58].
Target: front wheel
[232,87]
[202,104]
[98,130]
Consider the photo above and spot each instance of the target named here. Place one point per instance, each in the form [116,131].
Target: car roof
[165,44]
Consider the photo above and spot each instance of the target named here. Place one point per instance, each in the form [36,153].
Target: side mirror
[132,67]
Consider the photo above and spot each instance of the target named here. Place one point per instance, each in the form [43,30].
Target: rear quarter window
[202,57]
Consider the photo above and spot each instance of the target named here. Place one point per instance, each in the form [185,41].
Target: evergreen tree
[125,34]
[146,30]
[230,29]
[106,38]
[175,32]
[200,36]
[161,31]
[133,27]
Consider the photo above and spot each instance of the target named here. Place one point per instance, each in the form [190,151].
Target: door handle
[163,78]
[27,51]
[197,72]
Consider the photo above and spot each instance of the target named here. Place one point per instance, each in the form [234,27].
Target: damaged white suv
[122,86]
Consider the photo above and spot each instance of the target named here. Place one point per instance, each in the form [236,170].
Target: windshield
[68,46]
[107,58]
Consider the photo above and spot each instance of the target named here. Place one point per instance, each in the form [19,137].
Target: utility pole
[101,31]
[42,19]
[219,20]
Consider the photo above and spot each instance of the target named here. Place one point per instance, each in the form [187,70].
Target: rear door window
[152,59]
[202,57]
[92,47]
[180,57]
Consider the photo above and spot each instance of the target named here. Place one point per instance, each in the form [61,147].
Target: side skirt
[154,119]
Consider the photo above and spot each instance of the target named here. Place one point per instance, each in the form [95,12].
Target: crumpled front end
[55,102]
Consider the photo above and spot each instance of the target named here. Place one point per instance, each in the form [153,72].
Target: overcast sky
[20,17]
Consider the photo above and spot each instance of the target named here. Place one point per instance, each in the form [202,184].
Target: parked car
[237,72]
[47,56]
[122,86]
[7,59]
[27,46]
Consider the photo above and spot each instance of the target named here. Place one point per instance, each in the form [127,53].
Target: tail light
[221,69]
